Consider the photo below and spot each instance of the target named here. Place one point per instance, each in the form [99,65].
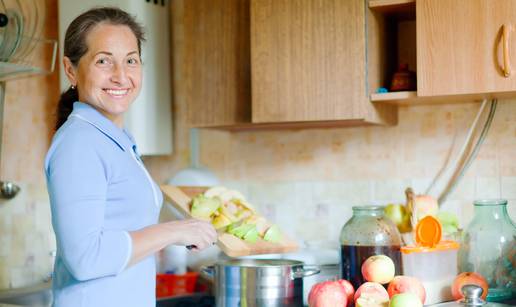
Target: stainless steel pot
[259,282]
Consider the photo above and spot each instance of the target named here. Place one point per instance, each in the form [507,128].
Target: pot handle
[305,271]
[208,272]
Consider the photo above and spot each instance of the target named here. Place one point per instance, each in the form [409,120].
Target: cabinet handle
[506,29]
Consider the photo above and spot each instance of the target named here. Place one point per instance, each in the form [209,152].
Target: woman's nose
[119,74]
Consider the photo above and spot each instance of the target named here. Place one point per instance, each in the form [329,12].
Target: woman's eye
[132,61]
[102,61]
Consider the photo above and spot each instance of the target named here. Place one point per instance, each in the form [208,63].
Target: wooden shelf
[390,4]
[394,96]
[405,9]
[410,98]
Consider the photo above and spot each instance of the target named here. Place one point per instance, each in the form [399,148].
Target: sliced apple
[224,210]
[203,207]
[220,221]
[252,235]
[215,191]
[273,234]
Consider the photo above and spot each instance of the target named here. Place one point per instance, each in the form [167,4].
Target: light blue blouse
[99,191]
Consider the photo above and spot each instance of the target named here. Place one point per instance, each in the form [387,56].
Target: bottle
[489,248]
[367,233]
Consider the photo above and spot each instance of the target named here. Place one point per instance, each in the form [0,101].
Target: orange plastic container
[172,284]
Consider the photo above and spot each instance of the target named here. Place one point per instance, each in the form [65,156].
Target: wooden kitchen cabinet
[460,47]
[216,62]
[308,62]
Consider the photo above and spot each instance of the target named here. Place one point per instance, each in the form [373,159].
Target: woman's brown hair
[75,46]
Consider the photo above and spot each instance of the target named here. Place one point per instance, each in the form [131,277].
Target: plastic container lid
[428,235]
[428,232]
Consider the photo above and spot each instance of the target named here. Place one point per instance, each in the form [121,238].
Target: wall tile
[508,187]
[487,187]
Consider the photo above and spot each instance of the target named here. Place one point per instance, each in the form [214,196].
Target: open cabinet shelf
[394,96]
[391,43]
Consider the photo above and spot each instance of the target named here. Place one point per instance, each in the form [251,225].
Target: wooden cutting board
[229,244]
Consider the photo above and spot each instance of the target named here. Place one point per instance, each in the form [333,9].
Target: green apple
[399,215]
[252,235]
[273,234]
[406,299]
[449,222]
[241,230]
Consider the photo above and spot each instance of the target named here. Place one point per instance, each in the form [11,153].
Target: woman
[104,204]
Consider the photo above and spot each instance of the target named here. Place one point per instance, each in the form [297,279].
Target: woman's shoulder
[76,140]
[78,134]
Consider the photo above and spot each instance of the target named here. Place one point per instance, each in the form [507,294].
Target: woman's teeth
[116,92]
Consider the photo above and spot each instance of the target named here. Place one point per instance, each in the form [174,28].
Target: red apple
[328,294]
[468,278]
[407,284]
[350,291]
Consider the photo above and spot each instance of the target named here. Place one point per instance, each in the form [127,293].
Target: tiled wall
[308,180]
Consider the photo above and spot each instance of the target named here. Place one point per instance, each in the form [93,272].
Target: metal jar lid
[472,298]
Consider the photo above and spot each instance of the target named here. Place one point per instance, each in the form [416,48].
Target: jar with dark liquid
[367,233]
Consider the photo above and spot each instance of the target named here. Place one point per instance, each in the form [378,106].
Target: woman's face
[109,75]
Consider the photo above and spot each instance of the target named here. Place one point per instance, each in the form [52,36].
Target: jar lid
[428,232]
[441,246]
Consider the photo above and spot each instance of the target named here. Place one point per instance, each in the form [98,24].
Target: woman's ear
[70,71]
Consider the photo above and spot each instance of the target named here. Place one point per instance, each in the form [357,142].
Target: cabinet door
[216,65]
[308,60]
[460,46]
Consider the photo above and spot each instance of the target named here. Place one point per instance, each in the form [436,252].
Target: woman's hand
[196,233]
[192,232]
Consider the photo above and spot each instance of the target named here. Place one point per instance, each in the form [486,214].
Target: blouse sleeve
[77,184]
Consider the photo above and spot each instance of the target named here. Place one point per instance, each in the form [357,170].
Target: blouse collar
[120,136]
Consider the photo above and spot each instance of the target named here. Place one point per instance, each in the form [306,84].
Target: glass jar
[367,233]
[489,248]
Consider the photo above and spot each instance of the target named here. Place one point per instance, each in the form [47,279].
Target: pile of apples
[230,212]
[378,270]
[402,291]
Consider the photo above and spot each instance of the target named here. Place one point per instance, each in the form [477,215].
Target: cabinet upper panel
[308,60]
[462,47]
[216,62]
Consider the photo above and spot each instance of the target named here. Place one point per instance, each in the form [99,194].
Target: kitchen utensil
[489,248]
[259,282]
[472,294]
[432,261]
[229,244]
[31,15]
[11,34]
[367,233]
[8,189]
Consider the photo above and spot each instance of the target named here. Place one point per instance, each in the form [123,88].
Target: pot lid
[260,262]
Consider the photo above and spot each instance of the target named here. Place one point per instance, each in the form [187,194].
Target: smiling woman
[109,75]
[104,203]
